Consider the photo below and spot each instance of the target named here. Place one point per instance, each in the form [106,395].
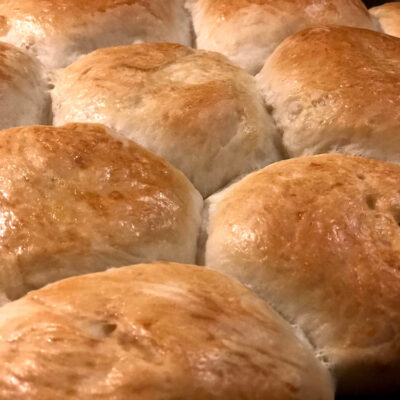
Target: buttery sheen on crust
[152,332]
[59,31]
[319,239]
[336,89]
[24,98]
[388,16]
[75,200]
[191,107]
[248,31]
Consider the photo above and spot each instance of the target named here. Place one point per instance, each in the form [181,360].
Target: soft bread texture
[191,107]
[160,331]
[319,239]
[24,98]
[388,16]
[248,31]
[59,31]
[75,200]
[336,89]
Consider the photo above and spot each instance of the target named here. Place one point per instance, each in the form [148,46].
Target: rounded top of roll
[248,31]
[61,13]
[192,107]
[336,89]
[330,9]
[59,31]
[76,199]
[319,238]
[349,48]
[150,332]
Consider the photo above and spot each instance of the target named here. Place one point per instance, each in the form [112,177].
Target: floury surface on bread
[318,238]
[76,199]
[336,89]
[59,31]
[24,98]
[151,332]
[388,15]
[192,107]
[248,31]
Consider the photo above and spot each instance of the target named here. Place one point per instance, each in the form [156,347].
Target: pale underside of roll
[336,89]
[248,31]
[156,331]
[59,31]
[78,199]
[318,238]
[192,107]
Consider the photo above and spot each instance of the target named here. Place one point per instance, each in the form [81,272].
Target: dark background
[372,3]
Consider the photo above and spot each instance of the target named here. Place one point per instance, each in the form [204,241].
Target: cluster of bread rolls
[199,199]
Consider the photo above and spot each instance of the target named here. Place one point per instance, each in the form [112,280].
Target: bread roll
[318,238]
[336,89]
[160,331]
[388,16]
[59,31]
[75,200]
[248,31]
[191,107]
[24,98]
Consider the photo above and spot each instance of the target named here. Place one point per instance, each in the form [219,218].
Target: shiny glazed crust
[191,107]
[152,332]
[76,199]
[248,31]
[318,238]
[336,89]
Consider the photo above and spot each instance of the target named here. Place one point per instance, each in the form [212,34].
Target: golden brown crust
[388,16]
[59,32]
[144,57]
[318,237]
[143,69]
[336,89]
[4,61]
[315,8]
[172,99]
[58,15]
[16,68]
[248,31]
[151,332]
[24,97]
[75,199]
[347,49]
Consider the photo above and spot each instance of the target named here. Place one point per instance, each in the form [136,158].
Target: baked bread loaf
[160,331]
[318,238]
[191,107]
[248,31]
[59,31]
[24,98]
[76,199]
[336,89]
[388,16]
